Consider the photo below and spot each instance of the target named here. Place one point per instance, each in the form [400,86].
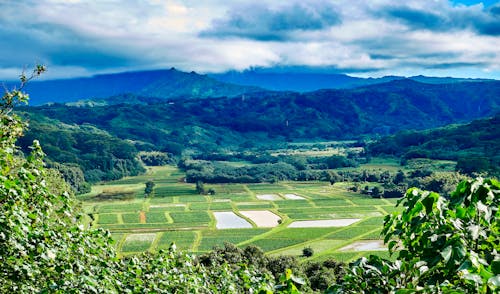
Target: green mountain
[327,114]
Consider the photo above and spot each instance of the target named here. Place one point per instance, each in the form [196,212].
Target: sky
[361,38]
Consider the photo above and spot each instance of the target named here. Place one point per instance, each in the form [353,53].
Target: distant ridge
[169,84]
[173,84]
[307,82]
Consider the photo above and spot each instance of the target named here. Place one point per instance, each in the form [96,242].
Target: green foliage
[289,283]
[441,245]
[307,252]
[76,149]
[156,158]
[148,190]
[73,175]
[43,247]
[200,188]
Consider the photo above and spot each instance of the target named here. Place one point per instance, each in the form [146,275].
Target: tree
[200,188]
[307,252]
[148,191]
[375,192]
[441,245]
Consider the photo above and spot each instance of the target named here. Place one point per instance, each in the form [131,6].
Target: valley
[177,213]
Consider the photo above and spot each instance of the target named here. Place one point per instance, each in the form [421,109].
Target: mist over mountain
[172,84]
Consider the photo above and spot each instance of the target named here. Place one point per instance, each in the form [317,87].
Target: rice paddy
[281,218]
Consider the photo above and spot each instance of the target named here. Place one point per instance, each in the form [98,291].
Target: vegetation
[44,247]
[441,245]
[51,243]
[475,146]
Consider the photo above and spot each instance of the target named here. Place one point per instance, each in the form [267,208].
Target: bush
[440,245]
[307,252]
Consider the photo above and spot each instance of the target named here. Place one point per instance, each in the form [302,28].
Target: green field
[175,213]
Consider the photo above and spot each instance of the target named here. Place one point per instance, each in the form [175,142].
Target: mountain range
[174,84]
[186,113]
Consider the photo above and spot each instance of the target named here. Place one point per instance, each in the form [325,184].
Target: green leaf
[428,202]
[495,267]
[446,253]
[495,281]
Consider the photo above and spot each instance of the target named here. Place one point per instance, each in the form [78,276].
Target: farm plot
[220,206]
[294,204]
[293,197]
[107,218]
[211,238]
[262,218]
[184,240]
[155,217]
[119,207]
[254,205]
[318,247]
[190,219]
[365,245]
[138,242]
[229,220]
[167,207]
[269,197]
[323,223]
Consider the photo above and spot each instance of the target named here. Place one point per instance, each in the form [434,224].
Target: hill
[167,84]
[476,145]
[269,116]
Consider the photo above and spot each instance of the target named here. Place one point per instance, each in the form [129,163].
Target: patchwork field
[281,218]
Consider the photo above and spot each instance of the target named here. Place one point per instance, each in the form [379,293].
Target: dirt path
[142,217]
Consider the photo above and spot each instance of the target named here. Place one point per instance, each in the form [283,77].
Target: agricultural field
[281,218]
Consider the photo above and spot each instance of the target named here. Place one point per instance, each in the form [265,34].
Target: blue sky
[362,38]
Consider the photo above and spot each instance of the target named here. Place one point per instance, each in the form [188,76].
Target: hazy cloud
[73,38]
[261,22]
[447,18]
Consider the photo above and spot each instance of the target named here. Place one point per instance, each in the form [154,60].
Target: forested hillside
[82,153]
[476,146]
[326,114]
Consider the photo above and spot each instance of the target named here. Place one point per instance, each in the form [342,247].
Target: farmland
[176,213]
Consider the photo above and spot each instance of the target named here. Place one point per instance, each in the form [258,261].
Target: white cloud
[82,37]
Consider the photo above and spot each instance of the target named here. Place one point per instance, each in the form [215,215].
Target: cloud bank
[370,38]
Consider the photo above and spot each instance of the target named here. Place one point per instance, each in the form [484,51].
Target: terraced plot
[177,214]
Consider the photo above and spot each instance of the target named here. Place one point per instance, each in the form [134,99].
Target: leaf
[474,231]
[495,281]
[446,253]
[298,280]
[495,267]
[428,202]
